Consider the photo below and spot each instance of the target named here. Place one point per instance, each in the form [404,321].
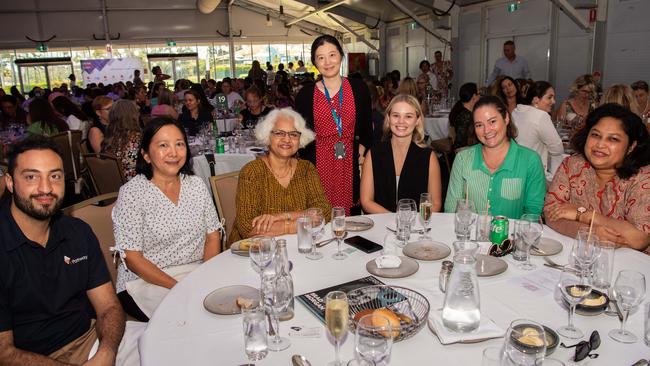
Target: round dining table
[183,332]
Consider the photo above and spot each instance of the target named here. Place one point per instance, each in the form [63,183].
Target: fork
[552,263]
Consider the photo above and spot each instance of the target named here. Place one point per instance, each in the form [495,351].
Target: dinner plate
[358,223]
[547,246]
[235,248]
[223,300]
[405,269]
[426,250]
[487,265]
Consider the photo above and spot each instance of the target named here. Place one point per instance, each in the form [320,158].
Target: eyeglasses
[583,348]
[282,134]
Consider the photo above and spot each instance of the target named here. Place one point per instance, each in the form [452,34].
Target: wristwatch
[579,212]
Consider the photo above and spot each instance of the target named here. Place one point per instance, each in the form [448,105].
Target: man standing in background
[511,65]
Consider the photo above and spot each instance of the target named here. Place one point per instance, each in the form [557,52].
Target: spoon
[300,360]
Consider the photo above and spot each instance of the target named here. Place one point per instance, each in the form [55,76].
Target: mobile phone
[363,244]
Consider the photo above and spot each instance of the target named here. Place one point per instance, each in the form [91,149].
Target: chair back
[106,172]
[68,143]
[99,219]
[224,189]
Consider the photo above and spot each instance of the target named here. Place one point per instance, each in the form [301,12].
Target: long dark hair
[65,106]
[499,89]
[40,111]
[123,121]
[199,94]
[326,38]
[634,129]
[538,90]
[150,130]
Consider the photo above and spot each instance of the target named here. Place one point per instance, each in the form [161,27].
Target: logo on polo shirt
[68,260]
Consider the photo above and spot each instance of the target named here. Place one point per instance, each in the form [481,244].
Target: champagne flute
[574,288]
[276,294]
[373,340]
[317,223]
[338,229]
[336,320]
[426,207]
[530,228]
[629,291]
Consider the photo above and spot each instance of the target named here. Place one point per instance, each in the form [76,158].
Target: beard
[42,213]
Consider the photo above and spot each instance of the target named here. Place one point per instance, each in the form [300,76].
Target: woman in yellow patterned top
[275,190]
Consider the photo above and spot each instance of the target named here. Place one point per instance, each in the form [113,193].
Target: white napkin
[388,261]
[486,330]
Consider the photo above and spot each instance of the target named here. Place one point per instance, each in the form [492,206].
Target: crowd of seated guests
[363,153]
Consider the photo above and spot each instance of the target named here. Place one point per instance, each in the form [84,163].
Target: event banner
[109,71]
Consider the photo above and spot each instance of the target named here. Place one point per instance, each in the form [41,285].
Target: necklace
[278,176]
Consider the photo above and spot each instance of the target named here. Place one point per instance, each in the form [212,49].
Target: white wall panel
[395,47]
[572,55]
[627,56]
[469,52]
[531,17]
[73,26]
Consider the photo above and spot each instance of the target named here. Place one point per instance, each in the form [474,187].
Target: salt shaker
[445,271]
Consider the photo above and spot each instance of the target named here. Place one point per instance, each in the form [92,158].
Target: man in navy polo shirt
[56,296]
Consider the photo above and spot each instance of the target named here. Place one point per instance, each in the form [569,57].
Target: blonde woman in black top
[401,166]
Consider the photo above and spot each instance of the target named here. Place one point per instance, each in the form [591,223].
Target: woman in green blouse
[497,169]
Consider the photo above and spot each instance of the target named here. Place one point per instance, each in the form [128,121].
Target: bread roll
[393,319]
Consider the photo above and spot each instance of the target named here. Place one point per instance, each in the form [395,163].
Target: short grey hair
[265,126]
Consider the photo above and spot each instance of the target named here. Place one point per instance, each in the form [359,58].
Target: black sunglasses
[505,248]
[583,347]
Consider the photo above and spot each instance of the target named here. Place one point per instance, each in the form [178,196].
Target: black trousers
[130,307]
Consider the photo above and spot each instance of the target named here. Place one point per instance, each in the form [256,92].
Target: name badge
[339,150]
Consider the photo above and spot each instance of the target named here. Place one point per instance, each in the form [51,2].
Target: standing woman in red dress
[338,110]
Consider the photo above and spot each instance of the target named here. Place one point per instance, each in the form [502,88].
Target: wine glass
[585,250]
[465,216]
[530,229]
[338,229]
[629,291]
[574,288]
[261,252]
[317,222]
[373,340]
[336,320]
[276,294]
[426,207]
[525,343]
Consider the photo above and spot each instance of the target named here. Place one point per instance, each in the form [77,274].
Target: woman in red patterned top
[338,110]
[610,175]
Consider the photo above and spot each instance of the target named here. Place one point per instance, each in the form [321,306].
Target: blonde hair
[408,86]
[622,95]
[418,133]
[582,81]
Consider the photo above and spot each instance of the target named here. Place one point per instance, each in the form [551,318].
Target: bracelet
[288,216]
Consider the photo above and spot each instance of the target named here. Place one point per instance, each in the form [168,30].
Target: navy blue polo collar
[15,236]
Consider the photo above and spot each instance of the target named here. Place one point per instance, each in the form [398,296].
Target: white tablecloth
[182,332]
[223,163]
[437,127]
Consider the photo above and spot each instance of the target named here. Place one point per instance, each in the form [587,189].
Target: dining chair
[96,212]
[68,143]
[224,190]
[105,171]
